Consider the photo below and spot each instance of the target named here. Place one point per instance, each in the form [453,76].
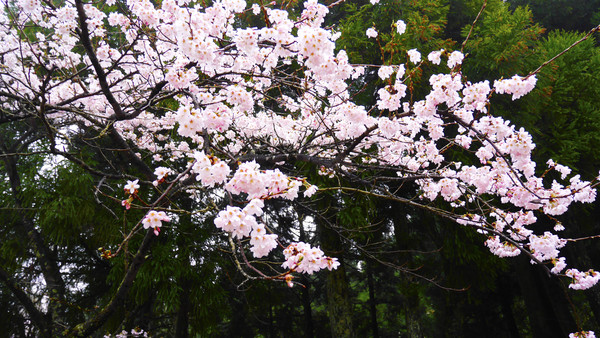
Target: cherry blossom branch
[582,238]
[445,214]
[237,262]
[354,143]
[87,328]
[587,36]
[243,254]
[84,36]
[151,206]
[333,4]
[369,254]
[462,47]
[483,138]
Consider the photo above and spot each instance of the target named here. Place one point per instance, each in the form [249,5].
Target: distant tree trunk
[185,282]
[548,310]
[507,313]
[181,326]
[271,323]
[308,321]
[372,303]
[413,325]
[340,315]
[339,308]
[593,297]
[239,311]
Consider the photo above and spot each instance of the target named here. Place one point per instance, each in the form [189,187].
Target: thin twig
[592,31]
[473,26]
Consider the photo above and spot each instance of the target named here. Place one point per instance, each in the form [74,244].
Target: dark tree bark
[182,323]
[306,303]
[339,307]
[547,307]
[239,313]
[308,320]
[372,302]
[508,317]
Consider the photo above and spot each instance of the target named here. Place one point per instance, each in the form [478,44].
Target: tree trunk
[239,312]
[547,307]
[372,303]
[340,315]
[339,307]
[181,326]
[308,321]
[506,306]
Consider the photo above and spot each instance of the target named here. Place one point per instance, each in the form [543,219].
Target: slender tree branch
[84,36]
[87,328]
[37,316]
[462,47]
[587,36]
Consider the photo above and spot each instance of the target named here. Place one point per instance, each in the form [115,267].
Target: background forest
[404,272]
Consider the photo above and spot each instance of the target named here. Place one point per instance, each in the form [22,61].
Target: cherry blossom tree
[202,105]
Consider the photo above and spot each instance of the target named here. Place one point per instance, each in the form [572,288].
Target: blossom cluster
[546,247]
[301,257]
[582,280]
[154,219]
[210,170]
[501,249]
[131,189]
[258,183]
[371,32]
[239,222]
[517,86]
[242,223]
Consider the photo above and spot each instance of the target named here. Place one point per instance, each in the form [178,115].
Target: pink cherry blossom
[400,27]
[583,334]
[435,57]
[455,59]
[371,32]
[414,56]
[154,219]
[131,187]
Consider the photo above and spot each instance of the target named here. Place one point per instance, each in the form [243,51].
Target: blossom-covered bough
[194,99]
